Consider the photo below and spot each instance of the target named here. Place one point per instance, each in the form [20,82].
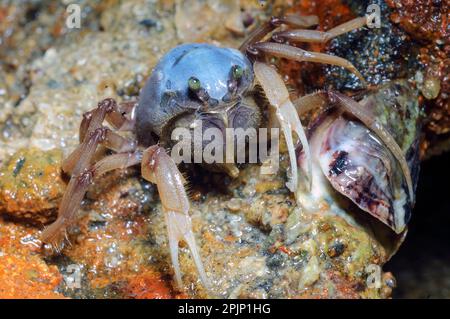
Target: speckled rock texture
[254,241]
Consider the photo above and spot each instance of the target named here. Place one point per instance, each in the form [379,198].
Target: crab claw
[159,168]
[278,96]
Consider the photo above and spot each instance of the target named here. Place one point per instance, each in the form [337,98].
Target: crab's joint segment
[314,101]
[287,115]
[301,35]
[300,55]
[159,168]
[291,20]
[297,21]
[83,175]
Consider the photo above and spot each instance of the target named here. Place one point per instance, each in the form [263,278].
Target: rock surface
[31,186]
[23,272]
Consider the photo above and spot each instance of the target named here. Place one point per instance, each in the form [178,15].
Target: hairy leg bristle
[55,237]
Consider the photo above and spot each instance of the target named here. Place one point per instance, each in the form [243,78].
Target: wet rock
[427,22]
[148,286]
[424,53]
[336,249]
[23,273]
[425,19]
[198,20]
[31,185]
[381,54]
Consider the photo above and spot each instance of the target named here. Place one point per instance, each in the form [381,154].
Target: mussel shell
[358,164]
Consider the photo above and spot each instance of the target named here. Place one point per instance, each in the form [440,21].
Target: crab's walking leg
[110,140]
[78,163]
[278,96]
[114,115]
[118,118]
[79,183]
[302,35]
[93,120]
[159,168]
[325,99]
[297,54]
[313,101]
[292,20]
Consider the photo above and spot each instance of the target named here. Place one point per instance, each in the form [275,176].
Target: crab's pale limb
[123,117]
[93,120]
[278,96]
[110,140]
[69,163]
[82,177]
[118,143]
[79,165]
[313,101]
[114,115]
[292,20]
[79,161]
[365,116]
[300,55]
[302,35]
[348,26]
[75,191]
[116,161]
[159,168]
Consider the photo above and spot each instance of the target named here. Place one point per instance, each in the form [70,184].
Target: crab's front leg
[278,96]
[302,35]
[79,165]
[159,168]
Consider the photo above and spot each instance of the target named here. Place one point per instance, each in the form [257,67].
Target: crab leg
[107,109]
[78,164]
[300,55]
[159,168]
[278,96]
[311,102]
[292,20]
[111,140]
[93,120]
[301,35]
[118,143]
[118,119]
[116,161]
[81,179]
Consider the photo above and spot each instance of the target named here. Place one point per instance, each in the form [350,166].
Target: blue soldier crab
[219,86]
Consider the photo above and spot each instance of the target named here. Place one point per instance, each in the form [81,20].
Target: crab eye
[237,72]
[194,84]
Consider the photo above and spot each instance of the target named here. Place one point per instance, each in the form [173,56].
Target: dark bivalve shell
[359,166]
